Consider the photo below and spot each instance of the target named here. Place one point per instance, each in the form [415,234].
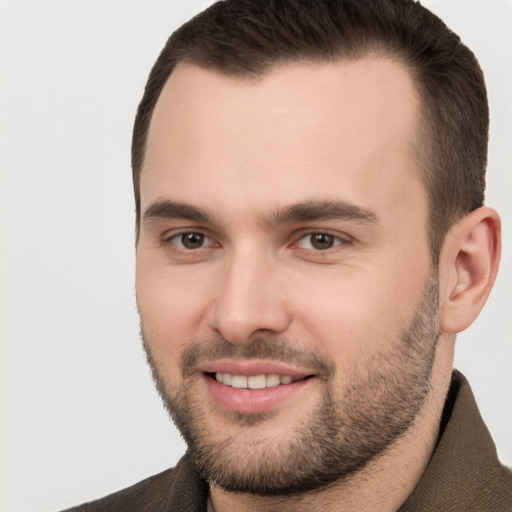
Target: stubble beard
[335,440]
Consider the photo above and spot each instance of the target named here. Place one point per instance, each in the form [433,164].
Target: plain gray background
[80,417]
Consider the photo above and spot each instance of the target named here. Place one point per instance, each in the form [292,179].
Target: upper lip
[250,368]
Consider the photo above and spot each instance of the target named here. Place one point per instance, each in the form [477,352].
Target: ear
[469,264]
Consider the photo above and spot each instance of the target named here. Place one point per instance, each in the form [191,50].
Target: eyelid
[341,238]
[169,236]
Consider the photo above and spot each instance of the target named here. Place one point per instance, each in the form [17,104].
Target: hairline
[420,142]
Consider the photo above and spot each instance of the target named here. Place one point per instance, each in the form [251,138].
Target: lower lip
[252,401]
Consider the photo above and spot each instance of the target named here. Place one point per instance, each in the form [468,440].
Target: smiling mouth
[262,381]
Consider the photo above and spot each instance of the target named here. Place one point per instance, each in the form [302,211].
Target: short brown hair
[248,37]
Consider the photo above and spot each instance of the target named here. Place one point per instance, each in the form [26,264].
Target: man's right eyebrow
[166,209]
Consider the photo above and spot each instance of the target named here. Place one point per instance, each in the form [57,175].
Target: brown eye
[190,240]
[319,241]
[322,241]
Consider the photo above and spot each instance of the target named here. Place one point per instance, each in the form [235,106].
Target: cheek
[357,312]
[171,310]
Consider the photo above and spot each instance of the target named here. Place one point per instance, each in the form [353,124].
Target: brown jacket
[464,473]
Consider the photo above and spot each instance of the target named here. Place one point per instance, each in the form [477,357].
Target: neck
[386,482]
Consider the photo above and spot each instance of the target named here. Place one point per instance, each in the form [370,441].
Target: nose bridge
[247,300]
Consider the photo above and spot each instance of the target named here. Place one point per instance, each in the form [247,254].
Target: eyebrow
[165,209]
[322,210]
[300,212]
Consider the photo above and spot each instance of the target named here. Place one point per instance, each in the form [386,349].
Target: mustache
[257,348]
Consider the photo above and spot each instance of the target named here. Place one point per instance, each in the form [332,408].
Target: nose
[249,300]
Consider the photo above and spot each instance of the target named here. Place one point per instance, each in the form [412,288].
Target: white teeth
[257,382]
[273,380]
[254,381]
[239,381]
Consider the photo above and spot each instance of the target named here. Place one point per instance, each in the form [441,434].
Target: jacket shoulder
[145,496]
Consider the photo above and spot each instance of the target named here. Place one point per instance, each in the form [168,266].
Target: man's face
[283,251]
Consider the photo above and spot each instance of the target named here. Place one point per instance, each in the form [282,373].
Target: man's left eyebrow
[322,210]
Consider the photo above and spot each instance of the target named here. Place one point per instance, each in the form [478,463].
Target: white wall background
[80,417]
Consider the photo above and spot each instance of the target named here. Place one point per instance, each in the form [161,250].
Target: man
[311,236]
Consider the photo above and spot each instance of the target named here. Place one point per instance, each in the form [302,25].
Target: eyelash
[336,240]
[177,236]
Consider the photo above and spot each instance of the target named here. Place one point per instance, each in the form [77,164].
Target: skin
[242,150]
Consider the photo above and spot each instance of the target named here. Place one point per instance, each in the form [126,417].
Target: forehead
[341,128]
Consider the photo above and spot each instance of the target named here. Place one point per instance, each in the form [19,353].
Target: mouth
[253,387]
[262,381]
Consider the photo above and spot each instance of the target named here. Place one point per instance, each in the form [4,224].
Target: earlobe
[471,255]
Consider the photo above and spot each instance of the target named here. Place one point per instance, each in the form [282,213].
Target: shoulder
[464,472]
[178,488]
[144,496]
